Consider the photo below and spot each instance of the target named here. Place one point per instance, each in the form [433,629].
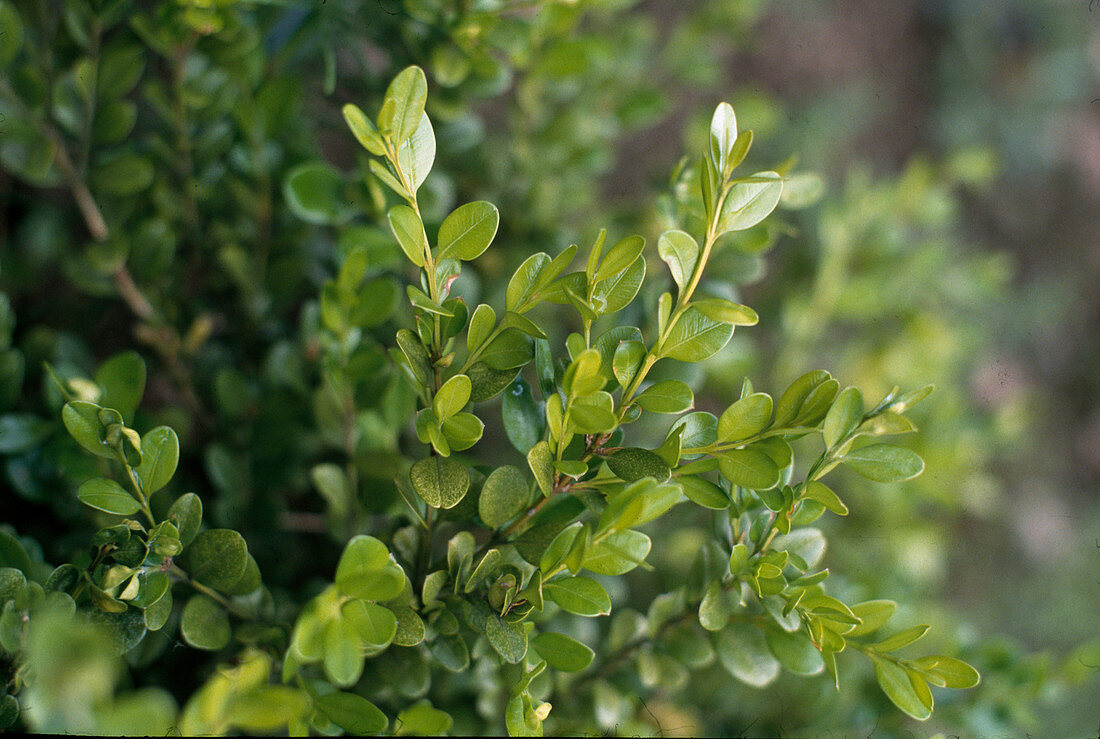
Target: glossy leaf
[667,396]
[843,416]
[579,595]
[366,571]
[748,468]
[746,417]
[363,130]
[704,492]
[899,686]
[404,104]
[750,202]
[563,652]
[680,252]
[468,231]
[884,462]
[352,712]
[696,337]
[107,495]
[409,232]
[160,453]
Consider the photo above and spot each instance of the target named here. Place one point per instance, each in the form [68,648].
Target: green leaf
[667,396]
[374,624]
[843,416]
[410,627]
[366,571]
[187,514]
[704,492]
[363,130]
[617,291]
[714,608]
[463,430]
[314,192]
[901,639]
[452,397]
[218,558]
[749,202]
[451,651]
[403,105]
[726,311]
[695,337]
[107,495]
[639,503]
[563,652]
[12,553]
[408,229]
[632,464]
[440,481]
[901,687]
[487,382]
[541,461]
[746,417]
[122,378]
[681,253]
[807,543]
[790,403]
[267,708]
[748,468]
[825,496]
[524,422]
[525,280]
[21,432]
[619,257]
[468,231]
[508,639]
[417,154]
[510,349]
[503,497]
[593,413]
[481,325]
[884,462]
[617,553]
[627,361]
[873,614]
[82,420]
[351,712]
[952,673]
[723,134]
[743,652]
[794,651]
[204,624]
[421,719]
[545,526]
[11,40]
[160,454]
[580,595]
[343,654]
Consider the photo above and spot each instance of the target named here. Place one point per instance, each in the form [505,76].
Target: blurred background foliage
[943,230]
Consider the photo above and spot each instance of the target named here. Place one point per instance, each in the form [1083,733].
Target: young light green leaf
[416,156]
[714,609]
[746,417]
[580,595]
[83,422]
[618,553]
[843,416]
[619,257]
[616,291]
[749,202]
[404,105]
[824,495]
[440,481]
[748,468]
[409,232]
[695,337]
[375,625]
[160,453]
[363,130]
[667,396]
[511,348]
[366,571]
[723,133]
[901,639]
[627,360]
[952,673]
[468,231]
[726,311]
[541,461]
[872,614]
[681,253]
[525,280]
[704,492]
[884,462]
[481,325]
[900,686]
[107,495]
[452,397]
